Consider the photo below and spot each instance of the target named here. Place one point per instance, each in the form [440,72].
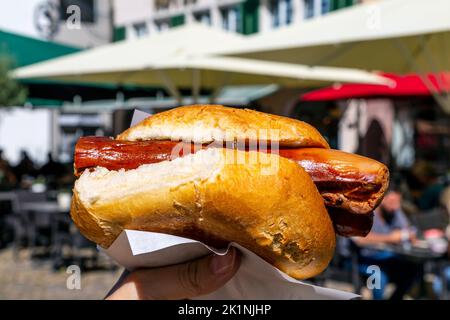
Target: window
[340,4]
[119,34]
[203,17]
[309,8]
[176,21]
[280,12]
[326,6]
[87,9]
[162,25]
[140,29]
[288,8]
[162,5]
[231,19]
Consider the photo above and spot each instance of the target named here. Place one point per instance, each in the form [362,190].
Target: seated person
[7,177]
[53,171]
[438,281]
[390,226]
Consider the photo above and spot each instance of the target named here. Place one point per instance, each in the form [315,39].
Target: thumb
[182,281]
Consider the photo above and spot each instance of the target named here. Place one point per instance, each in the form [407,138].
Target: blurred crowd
[52,175]
[415,212]
[34,214]
[421,187]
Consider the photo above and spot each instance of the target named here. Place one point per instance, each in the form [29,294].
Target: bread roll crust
[224,201]
[209,123]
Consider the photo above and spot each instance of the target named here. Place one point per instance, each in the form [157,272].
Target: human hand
[412,237]
[395,236]
[182,281]
[398,236]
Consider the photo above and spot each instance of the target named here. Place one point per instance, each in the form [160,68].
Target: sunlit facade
[242,16]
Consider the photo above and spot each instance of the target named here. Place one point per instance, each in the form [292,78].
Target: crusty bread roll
[215,196]
[208,123]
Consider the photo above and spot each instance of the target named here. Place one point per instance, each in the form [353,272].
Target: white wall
[129,12]
[22,129]
[20,17]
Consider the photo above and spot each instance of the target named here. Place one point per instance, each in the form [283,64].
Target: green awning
[26,50]
[23,50]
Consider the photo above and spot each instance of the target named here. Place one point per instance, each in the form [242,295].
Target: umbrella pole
[170,86]
[442,100]
[195,85]
[224,79]
[214,95]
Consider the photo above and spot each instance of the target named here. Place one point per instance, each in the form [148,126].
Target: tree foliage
[12,93]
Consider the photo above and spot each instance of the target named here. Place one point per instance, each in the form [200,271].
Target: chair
[35,221]
[356,275]
[64,233]
[80,243]
[433,219]
[6,209]
[344,266]
[61,235]
[20,220]
[25,196]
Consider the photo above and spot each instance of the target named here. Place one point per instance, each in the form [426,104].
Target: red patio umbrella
[402,85]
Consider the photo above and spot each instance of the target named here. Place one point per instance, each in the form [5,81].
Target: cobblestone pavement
[24,278]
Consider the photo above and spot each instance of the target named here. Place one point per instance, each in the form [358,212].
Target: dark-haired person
[7,177]
[53,171]
[438,282]
[390,226]
[25,167]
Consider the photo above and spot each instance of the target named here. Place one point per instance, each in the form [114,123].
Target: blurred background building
[47,20]
[36,30]
[42,27]
[243,16]
[404,124]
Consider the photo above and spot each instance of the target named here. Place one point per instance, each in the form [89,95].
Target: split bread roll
[274,202]
[216,197]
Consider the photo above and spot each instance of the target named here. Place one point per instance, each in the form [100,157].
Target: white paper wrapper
[138,116]
[255,279]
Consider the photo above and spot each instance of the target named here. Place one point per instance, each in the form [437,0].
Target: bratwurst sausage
[349,183]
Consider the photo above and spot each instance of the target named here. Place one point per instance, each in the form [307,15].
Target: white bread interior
[209,198]
[211,123]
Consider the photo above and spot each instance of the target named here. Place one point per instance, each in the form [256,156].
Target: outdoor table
[419,255]
[408,251]
[7,203]
[42,206]
[7,196]
[51,214]
[41,213]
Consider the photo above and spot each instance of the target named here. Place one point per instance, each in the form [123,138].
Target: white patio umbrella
[400,36]
[179,58]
